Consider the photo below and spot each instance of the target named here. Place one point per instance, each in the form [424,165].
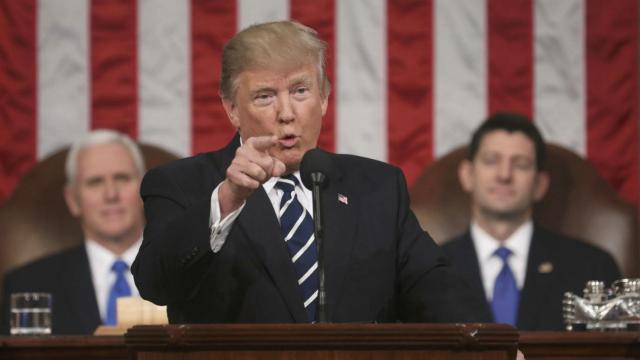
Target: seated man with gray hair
[103,171]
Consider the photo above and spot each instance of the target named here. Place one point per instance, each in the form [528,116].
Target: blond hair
[279,45]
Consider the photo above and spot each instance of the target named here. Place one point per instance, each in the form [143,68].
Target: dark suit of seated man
[103,171]
[504,175]
[229,234]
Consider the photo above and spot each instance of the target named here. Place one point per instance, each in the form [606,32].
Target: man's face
[105,195]
[503,178]
[287,104]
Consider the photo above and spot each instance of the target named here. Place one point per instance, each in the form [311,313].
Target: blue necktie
[506,295]
[297,228]
[120,288]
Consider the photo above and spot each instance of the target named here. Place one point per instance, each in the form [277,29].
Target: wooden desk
[580,345]
[251,341]
[324,341]
[64,347]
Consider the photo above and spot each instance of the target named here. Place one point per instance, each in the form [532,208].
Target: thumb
[278,168]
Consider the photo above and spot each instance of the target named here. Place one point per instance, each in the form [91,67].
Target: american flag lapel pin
[343,199]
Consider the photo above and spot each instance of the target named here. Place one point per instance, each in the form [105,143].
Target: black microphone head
[315,161]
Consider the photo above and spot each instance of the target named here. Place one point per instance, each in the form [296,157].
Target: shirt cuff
[220,227]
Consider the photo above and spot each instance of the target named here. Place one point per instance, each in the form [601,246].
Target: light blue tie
[120,288]
[506,295]
[297,228]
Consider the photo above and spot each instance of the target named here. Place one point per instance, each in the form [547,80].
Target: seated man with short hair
[522,269]
[104,170]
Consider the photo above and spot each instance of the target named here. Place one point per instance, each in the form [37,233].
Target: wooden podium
[323,341]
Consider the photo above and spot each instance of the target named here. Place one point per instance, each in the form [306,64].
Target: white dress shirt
[490,264]
[220,227]
[100,261]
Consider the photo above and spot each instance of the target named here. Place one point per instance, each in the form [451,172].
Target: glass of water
[30,314]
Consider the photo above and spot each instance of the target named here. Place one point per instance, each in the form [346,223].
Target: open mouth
[288,141]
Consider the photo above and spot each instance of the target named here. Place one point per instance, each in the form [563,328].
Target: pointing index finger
[262,143]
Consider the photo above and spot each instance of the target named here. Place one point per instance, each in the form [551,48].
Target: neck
[120,244]
[500,227]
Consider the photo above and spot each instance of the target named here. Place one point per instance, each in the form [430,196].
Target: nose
[505,171]
[111,191]
[285,109]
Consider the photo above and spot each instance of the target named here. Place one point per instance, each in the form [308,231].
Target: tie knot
[119,266]
[287,183]
[503,253]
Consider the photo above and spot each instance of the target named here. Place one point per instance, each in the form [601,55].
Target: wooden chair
[35,220]
[579,203]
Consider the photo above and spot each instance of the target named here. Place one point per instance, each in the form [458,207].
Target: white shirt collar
[271,183]
[490,265]
[518,242]
[100,261]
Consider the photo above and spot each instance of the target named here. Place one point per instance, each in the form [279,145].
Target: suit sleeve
[430,290]
[176,249]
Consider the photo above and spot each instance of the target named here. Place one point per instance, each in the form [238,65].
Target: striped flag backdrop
[411,79]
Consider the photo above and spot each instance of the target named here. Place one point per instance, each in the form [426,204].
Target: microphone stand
[318,179]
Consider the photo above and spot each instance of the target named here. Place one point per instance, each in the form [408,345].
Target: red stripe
[612,92]
[320,15]
[114,77]
[213,23]
[18,80]
[410,87]
[510,58]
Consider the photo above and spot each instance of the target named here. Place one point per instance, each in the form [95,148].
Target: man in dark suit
[522,269]
[219,245]
[103,171]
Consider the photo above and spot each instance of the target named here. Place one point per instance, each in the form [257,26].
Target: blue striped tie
[120,288]
[297,227]
[506,295]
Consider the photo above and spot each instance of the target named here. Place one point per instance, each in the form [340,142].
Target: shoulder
[192,170]
[455,245]
[567,245]
[42,269]
[365,170]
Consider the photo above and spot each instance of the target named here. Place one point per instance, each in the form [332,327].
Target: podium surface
[324,341]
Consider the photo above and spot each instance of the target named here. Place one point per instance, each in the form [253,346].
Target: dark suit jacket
[380,265]
[573,263]
[67,277]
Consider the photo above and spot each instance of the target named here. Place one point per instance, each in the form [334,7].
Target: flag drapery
[410,79]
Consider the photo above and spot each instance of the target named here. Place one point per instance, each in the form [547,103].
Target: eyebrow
[302,79]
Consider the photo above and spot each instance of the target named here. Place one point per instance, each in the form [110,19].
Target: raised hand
[251,167]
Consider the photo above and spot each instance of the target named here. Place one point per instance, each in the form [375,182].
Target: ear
[232,112]
[325,104]
[71,200]
[542,185]
[465,175]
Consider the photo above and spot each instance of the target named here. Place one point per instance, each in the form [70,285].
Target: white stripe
[308,273]
[286,206]
[295,227]
[560,85]
[361,89]
[303,249]
[311,298]
[164,73]
[460,94]
[63,73]
[257,11]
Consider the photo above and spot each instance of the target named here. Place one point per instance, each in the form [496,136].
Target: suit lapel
[340,222]
[469,269]
[536,283]
[263,230]
[80,295]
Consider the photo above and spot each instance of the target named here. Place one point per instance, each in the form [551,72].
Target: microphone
[314,171]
